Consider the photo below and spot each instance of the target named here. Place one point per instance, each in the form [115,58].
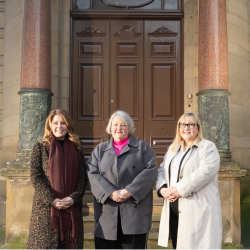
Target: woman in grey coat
[122,173]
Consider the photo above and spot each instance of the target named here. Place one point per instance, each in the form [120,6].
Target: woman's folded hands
[62,203]
[170,194]
[120,195]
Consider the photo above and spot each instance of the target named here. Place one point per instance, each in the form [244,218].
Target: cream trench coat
[200,223]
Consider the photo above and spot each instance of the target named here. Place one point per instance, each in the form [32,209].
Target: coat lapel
[132,142]
[167,165]
[186,158]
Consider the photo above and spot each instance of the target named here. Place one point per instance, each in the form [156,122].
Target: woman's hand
[117,196]
[176,193]
[125,193]
[64,203]
[170,193]
[53,203]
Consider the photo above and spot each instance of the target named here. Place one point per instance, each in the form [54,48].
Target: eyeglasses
[190,125]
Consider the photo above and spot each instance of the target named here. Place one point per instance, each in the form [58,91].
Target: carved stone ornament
[34,109]
[162,31]
[127,3]
[213,109]
[91,31]
[126,27]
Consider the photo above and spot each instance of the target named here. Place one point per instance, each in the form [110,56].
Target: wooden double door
[130,65]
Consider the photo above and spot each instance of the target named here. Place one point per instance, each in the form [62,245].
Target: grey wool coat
[135,169]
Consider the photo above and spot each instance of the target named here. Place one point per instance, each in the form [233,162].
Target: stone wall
[12,77]
[2,180]
[238,21]
[191,32]
[60,60]
[238,29]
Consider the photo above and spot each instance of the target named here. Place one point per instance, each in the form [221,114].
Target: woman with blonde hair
[58,174]
[187,179]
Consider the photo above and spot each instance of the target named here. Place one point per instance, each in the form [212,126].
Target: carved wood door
[163,83]
[126,87]
[90,81]
[130,65]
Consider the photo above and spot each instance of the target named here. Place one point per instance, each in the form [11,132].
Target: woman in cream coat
[188,181]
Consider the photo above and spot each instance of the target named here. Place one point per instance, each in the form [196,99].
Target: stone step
[89,222]
[152,241]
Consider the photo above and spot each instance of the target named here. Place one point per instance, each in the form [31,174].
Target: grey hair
[125,117]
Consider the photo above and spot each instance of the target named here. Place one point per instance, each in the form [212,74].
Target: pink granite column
[35,92]
[213,56]
[213,92]
[36,52]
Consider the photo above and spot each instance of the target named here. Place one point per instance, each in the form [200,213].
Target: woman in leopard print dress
[56,219]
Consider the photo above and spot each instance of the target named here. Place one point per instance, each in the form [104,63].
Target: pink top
[119,145]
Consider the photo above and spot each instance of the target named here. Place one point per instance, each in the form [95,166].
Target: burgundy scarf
[63,172]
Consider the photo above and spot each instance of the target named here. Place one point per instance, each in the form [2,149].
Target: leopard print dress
[41,236]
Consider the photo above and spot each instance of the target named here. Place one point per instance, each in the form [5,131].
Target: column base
[229,187]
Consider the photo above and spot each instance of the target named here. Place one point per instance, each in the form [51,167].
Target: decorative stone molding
[35,105]
[213,109]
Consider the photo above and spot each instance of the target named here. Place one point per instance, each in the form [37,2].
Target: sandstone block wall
[191,32]
[60,59]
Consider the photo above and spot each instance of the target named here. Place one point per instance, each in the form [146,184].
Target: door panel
[162,85]
[90,88]
[126,87]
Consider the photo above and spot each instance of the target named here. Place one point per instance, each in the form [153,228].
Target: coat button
[133,167]
[102,173]
[179,211]
[180,176]
[136,206]
[97,200]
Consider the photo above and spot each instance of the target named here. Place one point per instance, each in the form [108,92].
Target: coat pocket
[202,202]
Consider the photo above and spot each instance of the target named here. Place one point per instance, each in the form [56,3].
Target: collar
[194,144]
[133,142]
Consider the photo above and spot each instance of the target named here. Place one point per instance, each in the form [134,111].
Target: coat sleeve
[99,185]
[161,181]
[38,178]
[143,182]
[82,179]
[208,168]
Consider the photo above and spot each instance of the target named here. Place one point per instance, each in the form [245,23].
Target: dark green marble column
[213,108]
[35,105]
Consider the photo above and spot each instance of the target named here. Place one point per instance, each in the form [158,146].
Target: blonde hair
[125,117]
[177,140]
[69,122]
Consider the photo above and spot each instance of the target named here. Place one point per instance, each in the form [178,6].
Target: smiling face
[188,134]
[119,129]
[59,127]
